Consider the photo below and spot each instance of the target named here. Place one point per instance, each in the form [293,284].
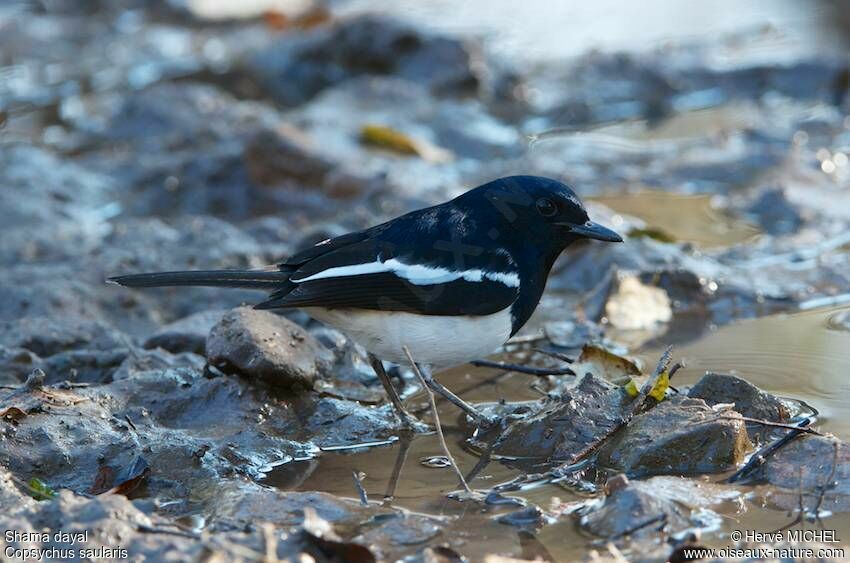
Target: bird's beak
[594,231]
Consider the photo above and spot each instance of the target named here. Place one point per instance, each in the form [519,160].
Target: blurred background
[155,135]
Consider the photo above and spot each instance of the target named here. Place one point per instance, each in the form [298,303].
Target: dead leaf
[32,395]
[605,364]
[390,139]
[12,414]
[128,480]
[103,481]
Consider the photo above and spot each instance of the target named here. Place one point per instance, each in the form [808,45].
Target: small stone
[749,400]
[564,427]
[617,482]
[253,343]
[679,436]
[635,306]
[811,464]
[634,509]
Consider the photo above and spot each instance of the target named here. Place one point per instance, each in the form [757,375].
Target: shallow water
[801,355]
[685,218]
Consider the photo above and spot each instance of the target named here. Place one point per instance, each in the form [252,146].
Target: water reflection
[805,356]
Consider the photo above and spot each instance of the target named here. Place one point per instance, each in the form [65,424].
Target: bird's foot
[412,424]
[485,421]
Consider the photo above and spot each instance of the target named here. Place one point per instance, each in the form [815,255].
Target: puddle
[685,218]
[800,355]
[423,489]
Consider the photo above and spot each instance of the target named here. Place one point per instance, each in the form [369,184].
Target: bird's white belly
[434,340]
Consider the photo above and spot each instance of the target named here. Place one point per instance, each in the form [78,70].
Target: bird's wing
[368,272]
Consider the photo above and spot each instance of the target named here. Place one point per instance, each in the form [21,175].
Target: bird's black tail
[257,279]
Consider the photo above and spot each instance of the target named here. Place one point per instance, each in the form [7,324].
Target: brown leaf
[12,414]
[103,481]
[128,480]
[605,364]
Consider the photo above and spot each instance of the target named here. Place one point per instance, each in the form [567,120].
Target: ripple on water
[839,320]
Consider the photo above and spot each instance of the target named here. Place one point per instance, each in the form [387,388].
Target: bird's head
[543,209]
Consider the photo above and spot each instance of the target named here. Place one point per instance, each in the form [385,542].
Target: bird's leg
[404,447]
[405,417]
[476,415]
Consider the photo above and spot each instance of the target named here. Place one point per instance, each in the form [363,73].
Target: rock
[287,155]
[16,364]
[294,71]
[775,214]
[681,436]
[331,422]
[84,366]
[180,148]
[410,529]
[562,427]
[188,334]
[241,505]
[157,361]
[810,463]
[48,336]
[64,348]
[635,306]
[111,527]
[628,508]
[749,400]
[266,346]
[529,517]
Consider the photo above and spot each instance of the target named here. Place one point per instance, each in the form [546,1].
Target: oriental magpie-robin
[450,282]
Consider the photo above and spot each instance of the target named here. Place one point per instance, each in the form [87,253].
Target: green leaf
[39,490]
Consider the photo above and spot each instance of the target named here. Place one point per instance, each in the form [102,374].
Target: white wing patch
[416,274]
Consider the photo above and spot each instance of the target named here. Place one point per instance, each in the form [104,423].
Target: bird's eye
[546,207]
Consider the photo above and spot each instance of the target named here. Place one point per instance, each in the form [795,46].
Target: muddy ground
[176,425]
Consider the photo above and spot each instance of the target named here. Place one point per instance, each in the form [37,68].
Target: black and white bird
[452,282]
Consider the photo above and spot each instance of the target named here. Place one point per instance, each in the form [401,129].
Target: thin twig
[130,422]
[556,355]
[757,459]
[829,484]
[675,368]
[440,435]
[640,526]
[539,372]
[358,484]
[771,424]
